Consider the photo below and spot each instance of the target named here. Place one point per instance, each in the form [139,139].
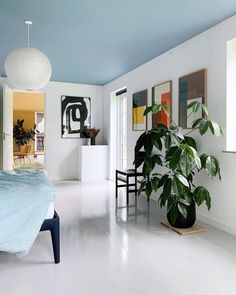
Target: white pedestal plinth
[93,162]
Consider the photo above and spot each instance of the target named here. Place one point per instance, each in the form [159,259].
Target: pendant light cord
[28,35]
[28,23]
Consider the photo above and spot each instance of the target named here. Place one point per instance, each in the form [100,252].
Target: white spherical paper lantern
[28,68]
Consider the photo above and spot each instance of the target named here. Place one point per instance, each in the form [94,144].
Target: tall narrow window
[122,129]
[231,96]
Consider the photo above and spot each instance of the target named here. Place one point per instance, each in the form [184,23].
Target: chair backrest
[25,149]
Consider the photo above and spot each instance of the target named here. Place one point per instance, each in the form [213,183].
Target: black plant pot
[187,222]
[92,140]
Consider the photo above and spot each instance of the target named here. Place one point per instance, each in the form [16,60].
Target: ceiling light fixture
[28,68]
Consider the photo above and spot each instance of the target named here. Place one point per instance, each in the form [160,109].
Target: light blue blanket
[24,200]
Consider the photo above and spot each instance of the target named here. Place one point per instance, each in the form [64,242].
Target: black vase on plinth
[92,140]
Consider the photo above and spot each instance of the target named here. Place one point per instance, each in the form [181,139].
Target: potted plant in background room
[175,154]
[91,133]
[21,135]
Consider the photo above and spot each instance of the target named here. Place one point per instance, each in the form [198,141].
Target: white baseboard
[225,227]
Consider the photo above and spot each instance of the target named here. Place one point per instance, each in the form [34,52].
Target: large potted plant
[21,135]
[170,161]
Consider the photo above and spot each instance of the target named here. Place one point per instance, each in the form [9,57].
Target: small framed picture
[75,116]
[192,88]
[162,94]
[139,106]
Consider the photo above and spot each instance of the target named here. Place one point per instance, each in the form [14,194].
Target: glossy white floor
[128,253]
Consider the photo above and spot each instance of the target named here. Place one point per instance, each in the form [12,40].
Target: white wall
[61,154]
[207,50]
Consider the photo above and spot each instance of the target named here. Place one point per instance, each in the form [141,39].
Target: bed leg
[55,235]
[53,225]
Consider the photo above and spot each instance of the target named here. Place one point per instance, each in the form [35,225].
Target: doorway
[28,130]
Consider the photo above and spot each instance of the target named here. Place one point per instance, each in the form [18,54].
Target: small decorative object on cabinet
[91,133]
[177,153]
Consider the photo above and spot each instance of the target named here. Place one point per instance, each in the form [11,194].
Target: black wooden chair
[53,225]
[125,176]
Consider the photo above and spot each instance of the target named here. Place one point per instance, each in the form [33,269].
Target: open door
[7,128]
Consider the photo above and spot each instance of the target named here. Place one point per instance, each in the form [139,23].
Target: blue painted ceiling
[96,41]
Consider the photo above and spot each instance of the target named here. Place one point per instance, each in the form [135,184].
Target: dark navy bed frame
[53,225]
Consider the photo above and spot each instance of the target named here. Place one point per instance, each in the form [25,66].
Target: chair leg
[127,190]
[55,235]
[116,185]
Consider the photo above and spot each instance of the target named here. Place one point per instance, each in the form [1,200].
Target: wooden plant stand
[196,228]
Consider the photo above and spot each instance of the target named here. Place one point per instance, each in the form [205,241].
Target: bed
[26,207]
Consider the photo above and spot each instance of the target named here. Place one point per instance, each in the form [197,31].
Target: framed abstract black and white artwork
[75,116]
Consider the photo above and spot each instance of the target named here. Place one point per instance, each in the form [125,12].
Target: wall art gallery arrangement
[139,106]
[75,116]
[162,94]
[192,87]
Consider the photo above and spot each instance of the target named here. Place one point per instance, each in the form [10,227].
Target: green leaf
[154,183]
[190,141]
[148,166]
[139,159]
[165,109]
[208,201]
[211,166]
[182,179]
[201,194]
[185,162]
[184,201]
[156,108]
[196,107]
[168,141]
[177,187]
[148,189]
[148,144]
[147,110]
[178,134]
[140,142]
[182,209]
[195,157]
[204,109]
[163,180]
[142,186]
[203,126]
[192,105]
[215,128]
[162,200]
[156,138]
[157,159]
[203,158]
[173,213]
[196,122]
[175,159]
[174,140]
[170,203]
[170,152]
[167,188]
